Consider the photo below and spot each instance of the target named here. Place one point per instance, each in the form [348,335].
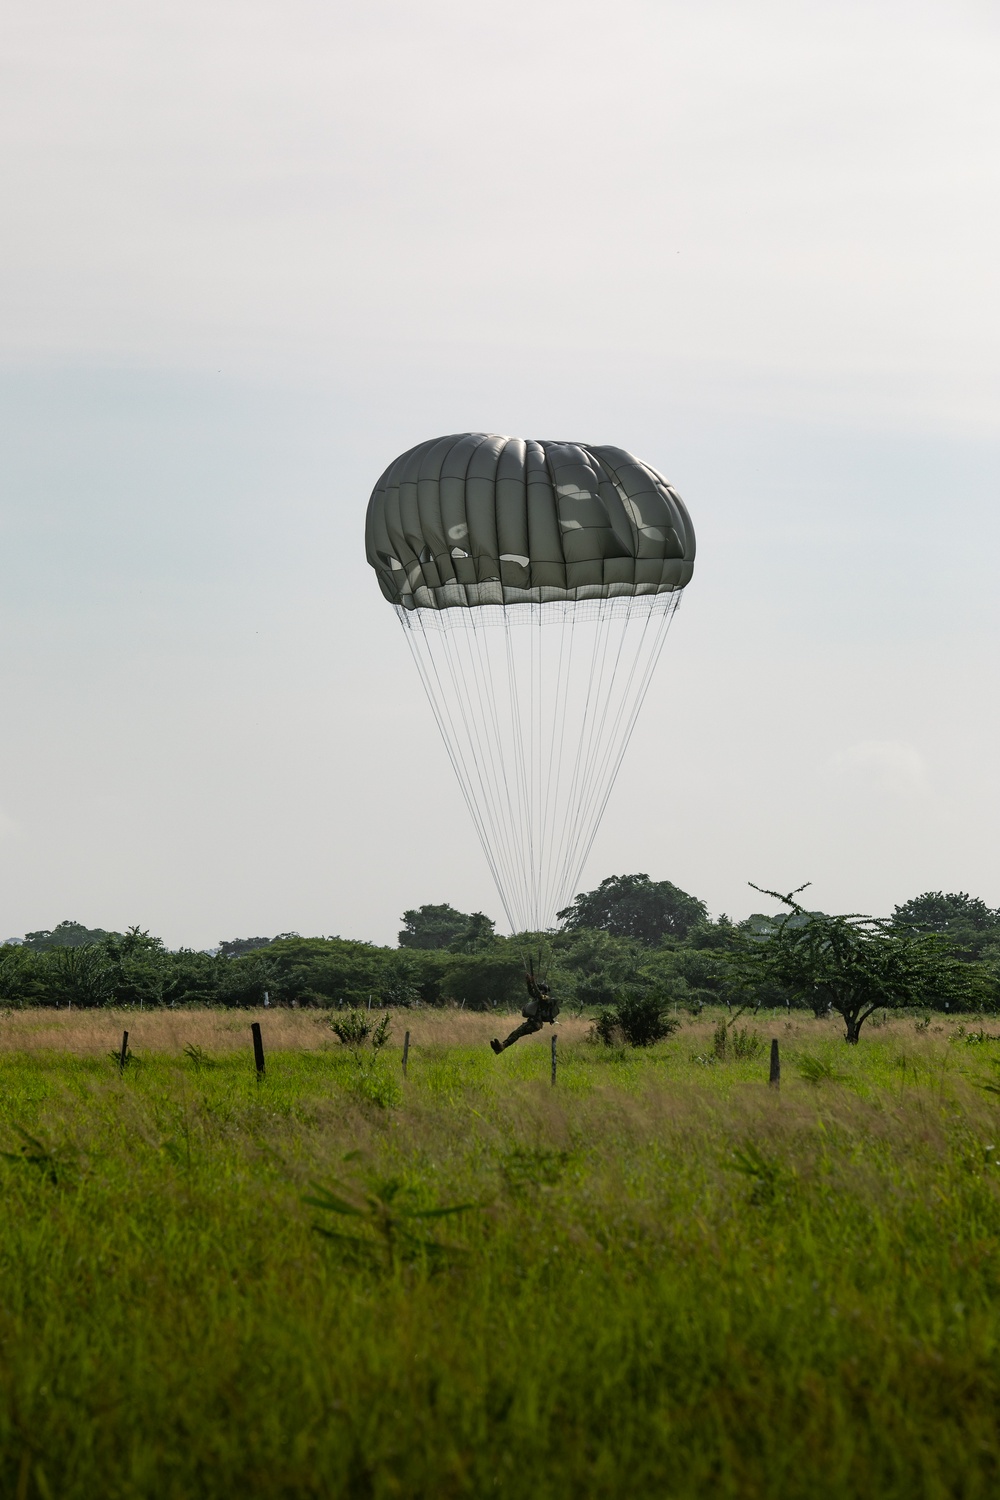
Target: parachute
[535,582]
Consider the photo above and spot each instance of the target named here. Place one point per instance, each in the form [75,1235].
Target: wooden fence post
[123,1058]
[775,1078]
[555,1038]
[406,1051]
[258,1050]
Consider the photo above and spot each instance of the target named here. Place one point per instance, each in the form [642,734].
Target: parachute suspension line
[595,730]
[472,739]
[536,705]
[576,664]
[492,775]
[484,679]
[595,764]
[569,833]
[659,639]
[453,744]
[564,848]
[438,701]
[488,751]
[605,749]
[557,740]
[514,699]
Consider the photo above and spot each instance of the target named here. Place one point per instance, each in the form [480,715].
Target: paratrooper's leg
[525,1029]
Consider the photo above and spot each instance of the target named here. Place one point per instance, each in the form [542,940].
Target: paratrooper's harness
[541,1008]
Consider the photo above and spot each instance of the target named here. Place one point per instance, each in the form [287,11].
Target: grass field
[671,1279]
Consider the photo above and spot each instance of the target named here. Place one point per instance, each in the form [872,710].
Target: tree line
[631,946]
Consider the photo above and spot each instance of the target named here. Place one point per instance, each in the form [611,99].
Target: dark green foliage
[443,928]
[324,971]
[356,1028]
[637,1020]
[238,947]
[765,1175]
[855,965]
[136,968]
[390,1221]
[967,922]
[817,1070]
[192,978]
[490,980]
[65,935]
[478,934]
[35,1154]
[433,926]
[526,1169]
[246,980]
[732,1043]
[20,980]
[631,936]
[634,906]
[77,976]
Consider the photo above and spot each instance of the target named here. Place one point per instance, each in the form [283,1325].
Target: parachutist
[542,1007]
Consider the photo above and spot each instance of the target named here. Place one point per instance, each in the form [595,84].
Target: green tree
[433,926]
[20,983]
[136,968]
[192,978]
[479,934]
[489,979]
[323,971]
[75,976]
[966,921]
[854,964]
[634,906]
[637,1020]
[65,935]
[592,966]
[239,947]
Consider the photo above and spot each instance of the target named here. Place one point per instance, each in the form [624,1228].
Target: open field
[671,1279]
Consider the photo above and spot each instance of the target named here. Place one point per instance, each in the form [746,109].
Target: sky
[251,252]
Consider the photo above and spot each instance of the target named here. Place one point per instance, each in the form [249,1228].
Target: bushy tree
[240,947]
[75,976]
[854,964]
[192,978]
[636,1019]
[65,935]
[633,906]
[432,926]
[967,922]
[136,968]
[479,934]
[20,983]
[485,981]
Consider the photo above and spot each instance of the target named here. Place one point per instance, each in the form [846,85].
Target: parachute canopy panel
[478,519]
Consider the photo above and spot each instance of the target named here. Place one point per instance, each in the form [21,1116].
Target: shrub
[636,1021]
[356,1028]
[736,1043]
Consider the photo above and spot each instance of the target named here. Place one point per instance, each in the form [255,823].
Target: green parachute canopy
[477,519]
[535,582]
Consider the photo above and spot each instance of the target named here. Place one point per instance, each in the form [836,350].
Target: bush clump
[635,1021]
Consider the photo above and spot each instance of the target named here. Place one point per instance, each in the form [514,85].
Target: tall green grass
[671,1280]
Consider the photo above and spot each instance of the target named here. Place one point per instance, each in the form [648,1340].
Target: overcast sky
[250,252]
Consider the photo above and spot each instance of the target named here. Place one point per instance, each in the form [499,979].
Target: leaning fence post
[775,1078]
[406,1051]
[123,1058]
[555,1038]
[258,1050]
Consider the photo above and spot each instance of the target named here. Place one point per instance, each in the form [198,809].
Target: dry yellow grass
[89,1033]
